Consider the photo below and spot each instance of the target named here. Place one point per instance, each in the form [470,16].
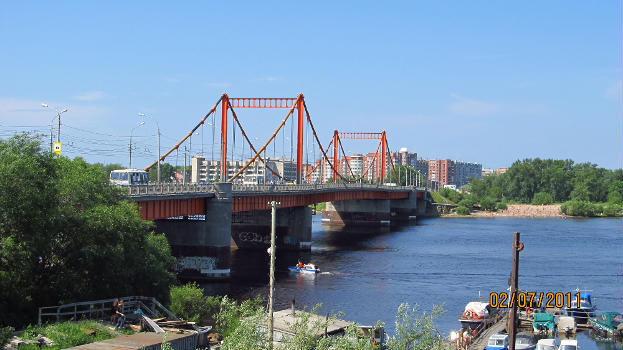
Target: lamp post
[132,131]
[58,113]
[158,137]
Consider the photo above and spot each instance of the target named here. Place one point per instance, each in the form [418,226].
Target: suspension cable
[318,142]
[187,135]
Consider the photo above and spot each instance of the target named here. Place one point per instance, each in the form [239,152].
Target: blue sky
[482,81]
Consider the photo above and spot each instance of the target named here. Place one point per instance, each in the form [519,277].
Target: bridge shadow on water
[250,267]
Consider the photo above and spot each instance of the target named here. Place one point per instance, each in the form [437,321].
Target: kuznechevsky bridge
[201,220]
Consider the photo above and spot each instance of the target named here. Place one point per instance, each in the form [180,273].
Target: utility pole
[271,296]
[159,180]
[184,180]
[513,281]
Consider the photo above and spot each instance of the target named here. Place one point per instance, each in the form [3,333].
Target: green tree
[462,210]
[67,235]
[167,173]
[542,198]
[107,168]
[415,331]
[189,303]
[488,203]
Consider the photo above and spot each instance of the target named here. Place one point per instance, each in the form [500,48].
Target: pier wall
[402,210]
[202,246]
[357,212]
[251,229]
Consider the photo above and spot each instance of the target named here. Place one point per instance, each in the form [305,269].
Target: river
[449,261]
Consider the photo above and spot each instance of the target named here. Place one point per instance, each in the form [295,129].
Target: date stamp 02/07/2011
[534,299]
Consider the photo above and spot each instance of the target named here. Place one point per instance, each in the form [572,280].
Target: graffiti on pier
[200,263]
[253,237]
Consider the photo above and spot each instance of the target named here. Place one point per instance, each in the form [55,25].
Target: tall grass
[69,334]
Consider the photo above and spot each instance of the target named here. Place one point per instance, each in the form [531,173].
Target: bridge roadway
[201,220]
[166,200]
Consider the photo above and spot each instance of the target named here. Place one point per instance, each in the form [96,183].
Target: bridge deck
[157,201]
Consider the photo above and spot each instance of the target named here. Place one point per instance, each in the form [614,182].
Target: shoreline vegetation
[66,235]
[533,187]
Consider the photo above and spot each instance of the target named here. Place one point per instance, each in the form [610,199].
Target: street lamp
[132,131]
[158,137]
[58,113]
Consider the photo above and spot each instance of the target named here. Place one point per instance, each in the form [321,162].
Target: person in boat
[300,265]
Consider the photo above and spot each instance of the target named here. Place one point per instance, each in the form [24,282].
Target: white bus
[127,177]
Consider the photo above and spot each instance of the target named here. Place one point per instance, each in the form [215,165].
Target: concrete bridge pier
[403,210]
[423,204]
[251,229]
[357,212]
[202,246]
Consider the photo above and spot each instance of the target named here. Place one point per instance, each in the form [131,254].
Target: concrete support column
[202,247]
[251,229]
[357,212]
[402,210]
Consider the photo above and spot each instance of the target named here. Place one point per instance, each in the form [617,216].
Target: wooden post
[273,229]
[517,247]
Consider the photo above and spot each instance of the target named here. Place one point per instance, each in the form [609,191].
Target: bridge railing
[177,188]
[316,187]
[169,188]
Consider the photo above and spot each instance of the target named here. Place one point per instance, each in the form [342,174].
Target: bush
[501,206]
[467,203]
[461,210]
[581,208]
[488,203]
[188,302]
[611,209]
[542,198]
[5,335]
[231,314]
[451,194]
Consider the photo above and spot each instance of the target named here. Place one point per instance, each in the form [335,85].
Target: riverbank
[517,210]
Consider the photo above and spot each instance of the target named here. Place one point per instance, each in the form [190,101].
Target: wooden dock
[480,342]
[144,341]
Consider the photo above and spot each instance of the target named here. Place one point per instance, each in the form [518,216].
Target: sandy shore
[518,210]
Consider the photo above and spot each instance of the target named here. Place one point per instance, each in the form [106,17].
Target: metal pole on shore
[512,317]
[273,229]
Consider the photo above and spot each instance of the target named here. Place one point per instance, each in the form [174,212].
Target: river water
[450,261]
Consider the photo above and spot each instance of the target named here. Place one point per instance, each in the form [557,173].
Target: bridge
[201,220]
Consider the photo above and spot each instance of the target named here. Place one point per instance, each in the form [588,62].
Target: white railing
[169,188]
[317,187]
[181,189]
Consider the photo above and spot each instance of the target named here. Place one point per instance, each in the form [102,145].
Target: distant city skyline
[481,82]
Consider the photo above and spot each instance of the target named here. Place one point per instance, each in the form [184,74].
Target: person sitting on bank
[120,317]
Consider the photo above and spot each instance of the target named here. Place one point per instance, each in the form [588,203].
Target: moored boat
[477,316]
[568,344]
[498,341]
[608,323]
[543,323]
[547,344]
[583,311]
[525,341]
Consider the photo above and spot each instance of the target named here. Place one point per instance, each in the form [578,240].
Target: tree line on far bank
[584,189]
